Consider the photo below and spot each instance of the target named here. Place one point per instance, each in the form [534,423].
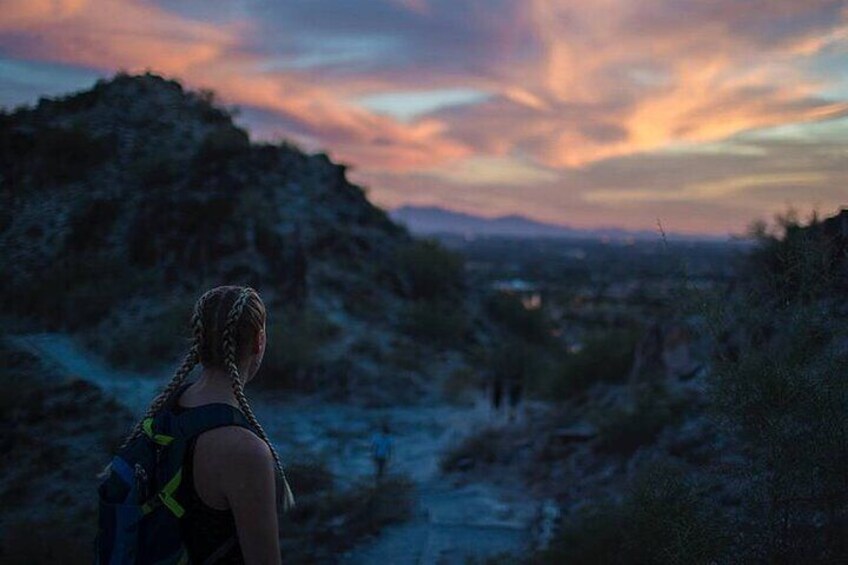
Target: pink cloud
[573,87]
[132,35]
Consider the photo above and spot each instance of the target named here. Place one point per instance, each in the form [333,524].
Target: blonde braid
[191,359]
[229,344]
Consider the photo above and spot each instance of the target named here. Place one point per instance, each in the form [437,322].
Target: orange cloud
[574,88]
[132,35]
[601,81]
[708,82]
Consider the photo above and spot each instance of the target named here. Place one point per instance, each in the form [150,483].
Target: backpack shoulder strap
[194,421]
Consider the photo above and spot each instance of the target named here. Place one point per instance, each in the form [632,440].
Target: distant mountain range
[434,220]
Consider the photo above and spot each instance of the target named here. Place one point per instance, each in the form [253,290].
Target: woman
[228,490]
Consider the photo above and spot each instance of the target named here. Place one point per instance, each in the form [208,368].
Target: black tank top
[205,530]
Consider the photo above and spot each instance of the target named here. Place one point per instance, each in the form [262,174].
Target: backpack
[139,513]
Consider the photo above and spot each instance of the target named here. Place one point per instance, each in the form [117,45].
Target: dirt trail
[453,524]
[450,523]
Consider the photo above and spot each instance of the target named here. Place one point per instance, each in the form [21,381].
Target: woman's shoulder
[234,441]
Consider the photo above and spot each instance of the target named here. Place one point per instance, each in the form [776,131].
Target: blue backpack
[139,510]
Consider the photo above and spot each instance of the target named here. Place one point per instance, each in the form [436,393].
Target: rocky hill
[119,205]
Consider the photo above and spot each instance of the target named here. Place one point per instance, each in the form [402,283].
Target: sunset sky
[705,115]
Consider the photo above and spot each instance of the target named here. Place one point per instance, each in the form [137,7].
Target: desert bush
[514,359]
[45,542]
[329,522]
[209,109]
[786,399]
[295,340]
[475,449]
[159,337]
[430,271]
[461,381]
[90,224]
[606,357]
[529,324]
[74,292]
[222,144]
[20,373]
[49,459]
[435,321]
[407,355]
[779,385]
[310,477]
[367,347]
[665,517]
[363,300]
[66,155]
[623,429]
[794,261]
[157,170]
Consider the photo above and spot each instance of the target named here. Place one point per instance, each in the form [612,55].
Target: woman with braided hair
[228,489]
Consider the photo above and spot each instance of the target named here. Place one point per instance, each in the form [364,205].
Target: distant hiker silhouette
[195,480]
[506,389]
[497,387]
[381,450]
[515,390]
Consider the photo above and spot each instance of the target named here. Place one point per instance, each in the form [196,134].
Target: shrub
[407,355]
[529,324]
[20,373]
[49,458]
[430,271]
[158,338]
[435,321]
[480,447]
[514,359]
[664,518]
[363,300]
[329,522]
[779,383]
[42,542]
[74,292]
[367,347]
[605,357]
[308,478]
[624,429]
[295,341]
[157,170]
[67,155]
[90,224]
[460,382]
[796,262]
[222,144]
[786,398]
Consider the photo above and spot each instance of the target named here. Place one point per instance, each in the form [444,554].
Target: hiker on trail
[497,390]
[506,390]
[195,480]
[515,390]
[381,448]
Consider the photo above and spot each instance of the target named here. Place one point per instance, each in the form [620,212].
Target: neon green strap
[147,428]
[166,496]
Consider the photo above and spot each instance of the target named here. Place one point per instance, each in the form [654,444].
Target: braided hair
[230,357]
[214,348]
[191,359]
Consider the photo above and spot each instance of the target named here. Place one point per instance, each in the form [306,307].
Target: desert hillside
[119,205]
